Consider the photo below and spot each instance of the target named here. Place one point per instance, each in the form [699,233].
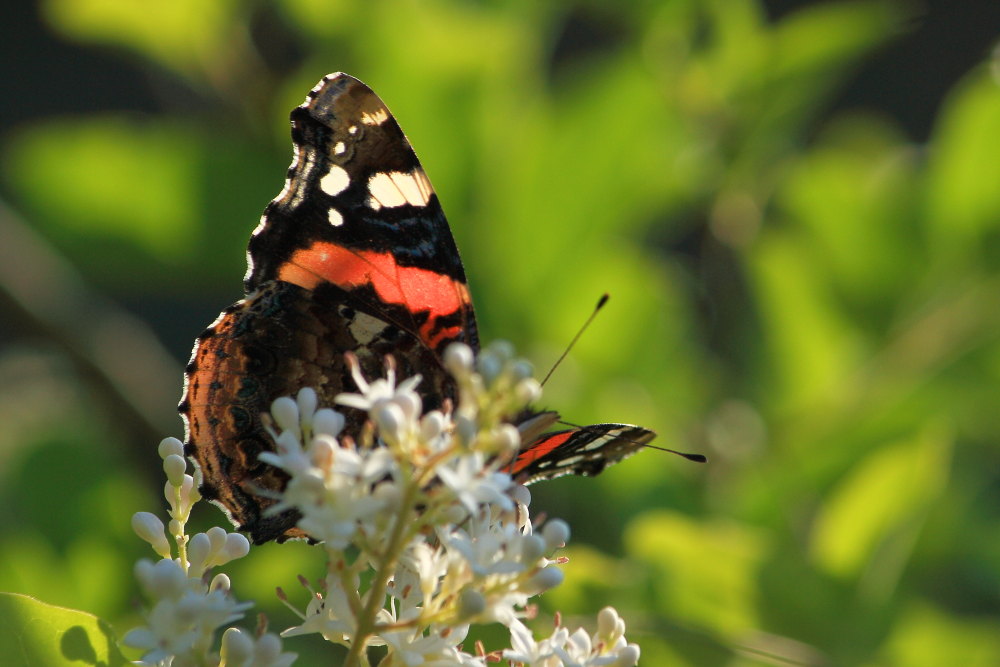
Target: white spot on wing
[377,118]
[334,216]
[365,328]
[334,181]
[339,148]
[353,129]
[396,188]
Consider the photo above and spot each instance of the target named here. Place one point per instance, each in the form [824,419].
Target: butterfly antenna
[697,458]
[600,304]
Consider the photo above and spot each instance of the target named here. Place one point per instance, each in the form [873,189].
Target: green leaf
[115,177]
[812,343]
[873,517]
[962,192]
[186,35]
[704,571]
[33,633]
[853,193]
[926,636]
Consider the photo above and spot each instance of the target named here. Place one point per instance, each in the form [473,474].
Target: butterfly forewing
[359,212]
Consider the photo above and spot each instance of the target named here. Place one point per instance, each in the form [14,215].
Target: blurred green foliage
[812,301]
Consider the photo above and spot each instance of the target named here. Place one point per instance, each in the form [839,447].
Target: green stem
[181,537]
[380,583]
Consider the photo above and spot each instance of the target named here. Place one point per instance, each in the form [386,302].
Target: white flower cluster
[186,607]
[423,512]
[423,530]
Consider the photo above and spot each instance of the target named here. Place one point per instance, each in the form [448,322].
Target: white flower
[374,394]
[606,648]
[415,649]
[466,476]
[185,612]
[420,570]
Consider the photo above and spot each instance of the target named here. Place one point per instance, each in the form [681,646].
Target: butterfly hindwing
[586,450]
[273,343]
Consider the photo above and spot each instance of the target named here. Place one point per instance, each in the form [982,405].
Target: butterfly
[353,255]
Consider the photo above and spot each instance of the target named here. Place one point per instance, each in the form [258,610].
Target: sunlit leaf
[33,633]
[854,194]
[872,518]
[703,572]
[182,34]
[114,177]
[812,344]
[963,197]
[926,636]
[831,35]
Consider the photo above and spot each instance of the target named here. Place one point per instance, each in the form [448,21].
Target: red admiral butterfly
[354,255]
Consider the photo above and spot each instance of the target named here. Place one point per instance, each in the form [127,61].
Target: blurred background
[794,205]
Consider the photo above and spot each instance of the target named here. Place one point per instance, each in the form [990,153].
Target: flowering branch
[423,506]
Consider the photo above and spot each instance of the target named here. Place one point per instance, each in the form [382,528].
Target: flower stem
[380,583]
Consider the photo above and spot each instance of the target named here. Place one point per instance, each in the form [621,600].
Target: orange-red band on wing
[537,451]
[410,286]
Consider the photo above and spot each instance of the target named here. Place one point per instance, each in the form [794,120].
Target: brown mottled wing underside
[273,343]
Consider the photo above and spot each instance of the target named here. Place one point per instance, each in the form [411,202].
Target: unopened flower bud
[458,359]
[237,546]
[507,438]
[627,656]
[521,369]
[502,349]
[174,466]
[306,402]
[170,446]
[268,648]
[489,367]
[198,551]
[528,391]
[237,647]
[532,548]
[389,419]
[220,582]
[556,534]
[546,578]
[285,412]
[610,626]
[217,542]
[431,425]
[149,527]
[328,422]
[520,494]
